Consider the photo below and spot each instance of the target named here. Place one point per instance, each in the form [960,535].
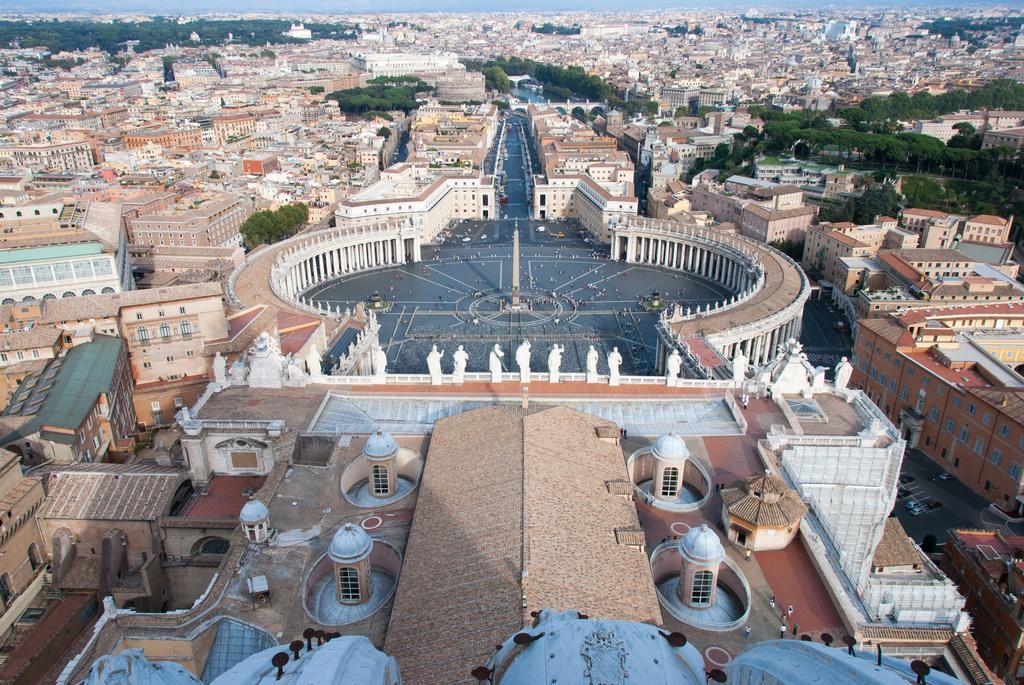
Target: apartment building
[432,198]
[937,229]
[985,228]
[762,210]
[212,222]
[403,64]
[1012,138]
[76,408]
[23,352]
[229,127]
[167,331]
[23,550]
[947,378]
[66,157]
[171,139]
[986,566]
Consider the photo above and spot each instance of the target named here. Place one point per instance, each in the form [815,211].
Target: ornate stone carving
[605,654]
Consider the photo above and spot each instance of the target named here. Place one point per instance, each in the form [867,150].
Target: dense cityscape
[508,348]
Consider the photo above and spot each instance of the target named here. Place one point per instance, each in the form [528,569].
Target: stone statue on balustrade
[220,367]
[739,366]
[460,358]
[592,357]
[523,361]
[379,361]
[434,365]
[614,362]
[494,363]
[555,363]
[294,375]
[844,369]
[673,365]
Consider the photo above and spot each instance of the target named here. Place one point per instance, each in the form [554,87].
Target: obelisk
[515,269]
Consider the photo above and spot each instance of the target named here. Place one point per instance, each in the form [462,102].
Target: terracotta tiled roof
[764,500]
[494,505]
[895,548]
[106,494]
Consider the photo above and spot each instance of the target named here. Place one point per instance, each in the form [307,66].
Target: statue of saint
[380,363]
[523,361]
[555,362]
[220,369]
[673,365]
[844,369]
[460,357]
[494,363]
[592,357]
[434,365]
[739,366]
[614,361]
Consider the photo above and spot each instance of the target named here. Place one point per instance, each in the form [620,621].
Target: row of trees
[560,81]
[59,36]
[270,226]
[556,29]
[809,134]
[383,94]
[900,106]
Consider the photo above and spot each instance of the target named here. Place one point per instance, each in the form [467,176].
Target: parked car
[902,493]
[913,505]
[945,475]
[906,478]
[933,505]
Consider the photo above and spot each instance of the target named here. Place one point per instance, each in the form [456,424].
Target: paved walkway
[795,582]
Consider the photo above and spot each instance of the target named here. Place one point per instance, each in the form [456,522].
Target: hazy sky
[351,6]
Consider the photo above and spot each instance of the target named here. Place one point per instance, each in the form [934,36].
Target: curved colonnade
[306,261]
[769,288]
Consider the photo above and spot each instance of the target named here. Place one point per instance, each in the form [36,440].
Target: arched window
[379,479]
[670,482]
[165,331]
[143,335]
[5,589]
[33,557]
[215,546]
[186,329]
[700,594]
[348,584]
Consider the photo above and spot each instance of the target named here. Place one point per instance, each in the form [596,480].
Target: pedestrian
[746,632]
[782,632]
[789,611]
[771,600]
[796,627]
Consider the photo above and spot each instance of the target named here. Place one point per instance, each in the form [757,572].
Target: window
[181,310]
[933,414]
[700,594]
[956,401]
[1004,431]
[379,478]
[138,316]
[186,329]
[165,331]
[964,434]
[971,409]
[33,557]
[143,335]
[905,394]
[949,426]
[986,419]
[670,482]
[177,402]
[348,584]
[995,457]
[5,589]
[1014,470]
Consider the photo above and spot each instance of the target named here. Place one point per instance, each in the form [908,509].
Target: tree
[495,78]
[316,90]
[722,151]
[384,132]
